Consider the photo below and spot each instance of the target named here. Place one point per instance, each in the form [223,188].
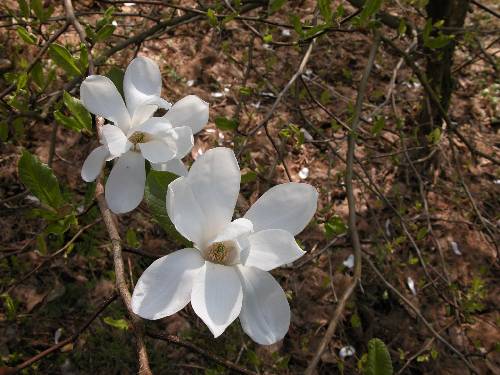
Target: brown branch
[53,348]
[186,344]
[485,8]
[351,201]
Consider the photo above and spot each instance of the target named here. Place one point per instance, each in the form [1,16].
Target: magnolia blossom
[133,135]
[225,275]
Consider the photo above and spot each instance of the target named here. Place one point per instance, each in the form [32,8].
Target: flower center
[221,252]
[137,137]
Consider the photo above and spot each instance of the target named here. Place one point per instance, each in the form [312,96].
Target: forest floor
[450,274]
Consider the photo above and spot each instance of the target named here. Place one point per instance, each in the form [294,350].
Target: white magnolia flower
[225,274]
[134,135]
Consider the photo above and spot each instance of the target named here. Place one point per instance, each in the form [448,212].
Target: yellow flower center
[221,252]
[137,137]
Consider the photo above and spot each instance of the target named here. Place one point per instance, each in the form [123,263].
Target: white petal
[265,313]
[142,80]
[116,141]
[165,286]
[180,140]
[216,297]
[201,204]
[234,229]
[174,166]
[125,184]
[100,96]
[92,166]
[183,138]
[153,126]
[147,108]
[189,111]
[271,248]
[287,206]
[156,151]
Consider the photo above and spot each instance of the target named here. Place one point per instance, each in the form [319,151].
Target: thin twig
[485,8]
[351,201]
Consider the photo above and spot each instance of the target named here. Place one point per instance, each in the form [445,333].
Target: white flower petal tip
[189,111]
[115,140]
[265,313]
[289,206]
[100,96]
[142,82]
[165,286]
[217,296]
[174,166]
[349,262]
[92,166]
[347,351]
[271,248]
[201,204]
[125,185]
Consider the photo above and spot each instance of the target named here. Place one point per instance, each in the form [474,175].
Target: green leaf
[68,122]
[104,32]
[224,123]
[212,18]
[37,7]
[83,62]
[26,35]
[117,323]
[64,60]
[268,38]
[378,125]
[41,13]
[275,5]
[297,24]
[155,195]
[9,306]
[116,76]
[22,80]
[37,75]
[248,177]
[370,8]
[81,115]
[24,8]
[439,41]
[402,27]
[379,360]
[325,10]
[40,180]
[131,237]
[335,227]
